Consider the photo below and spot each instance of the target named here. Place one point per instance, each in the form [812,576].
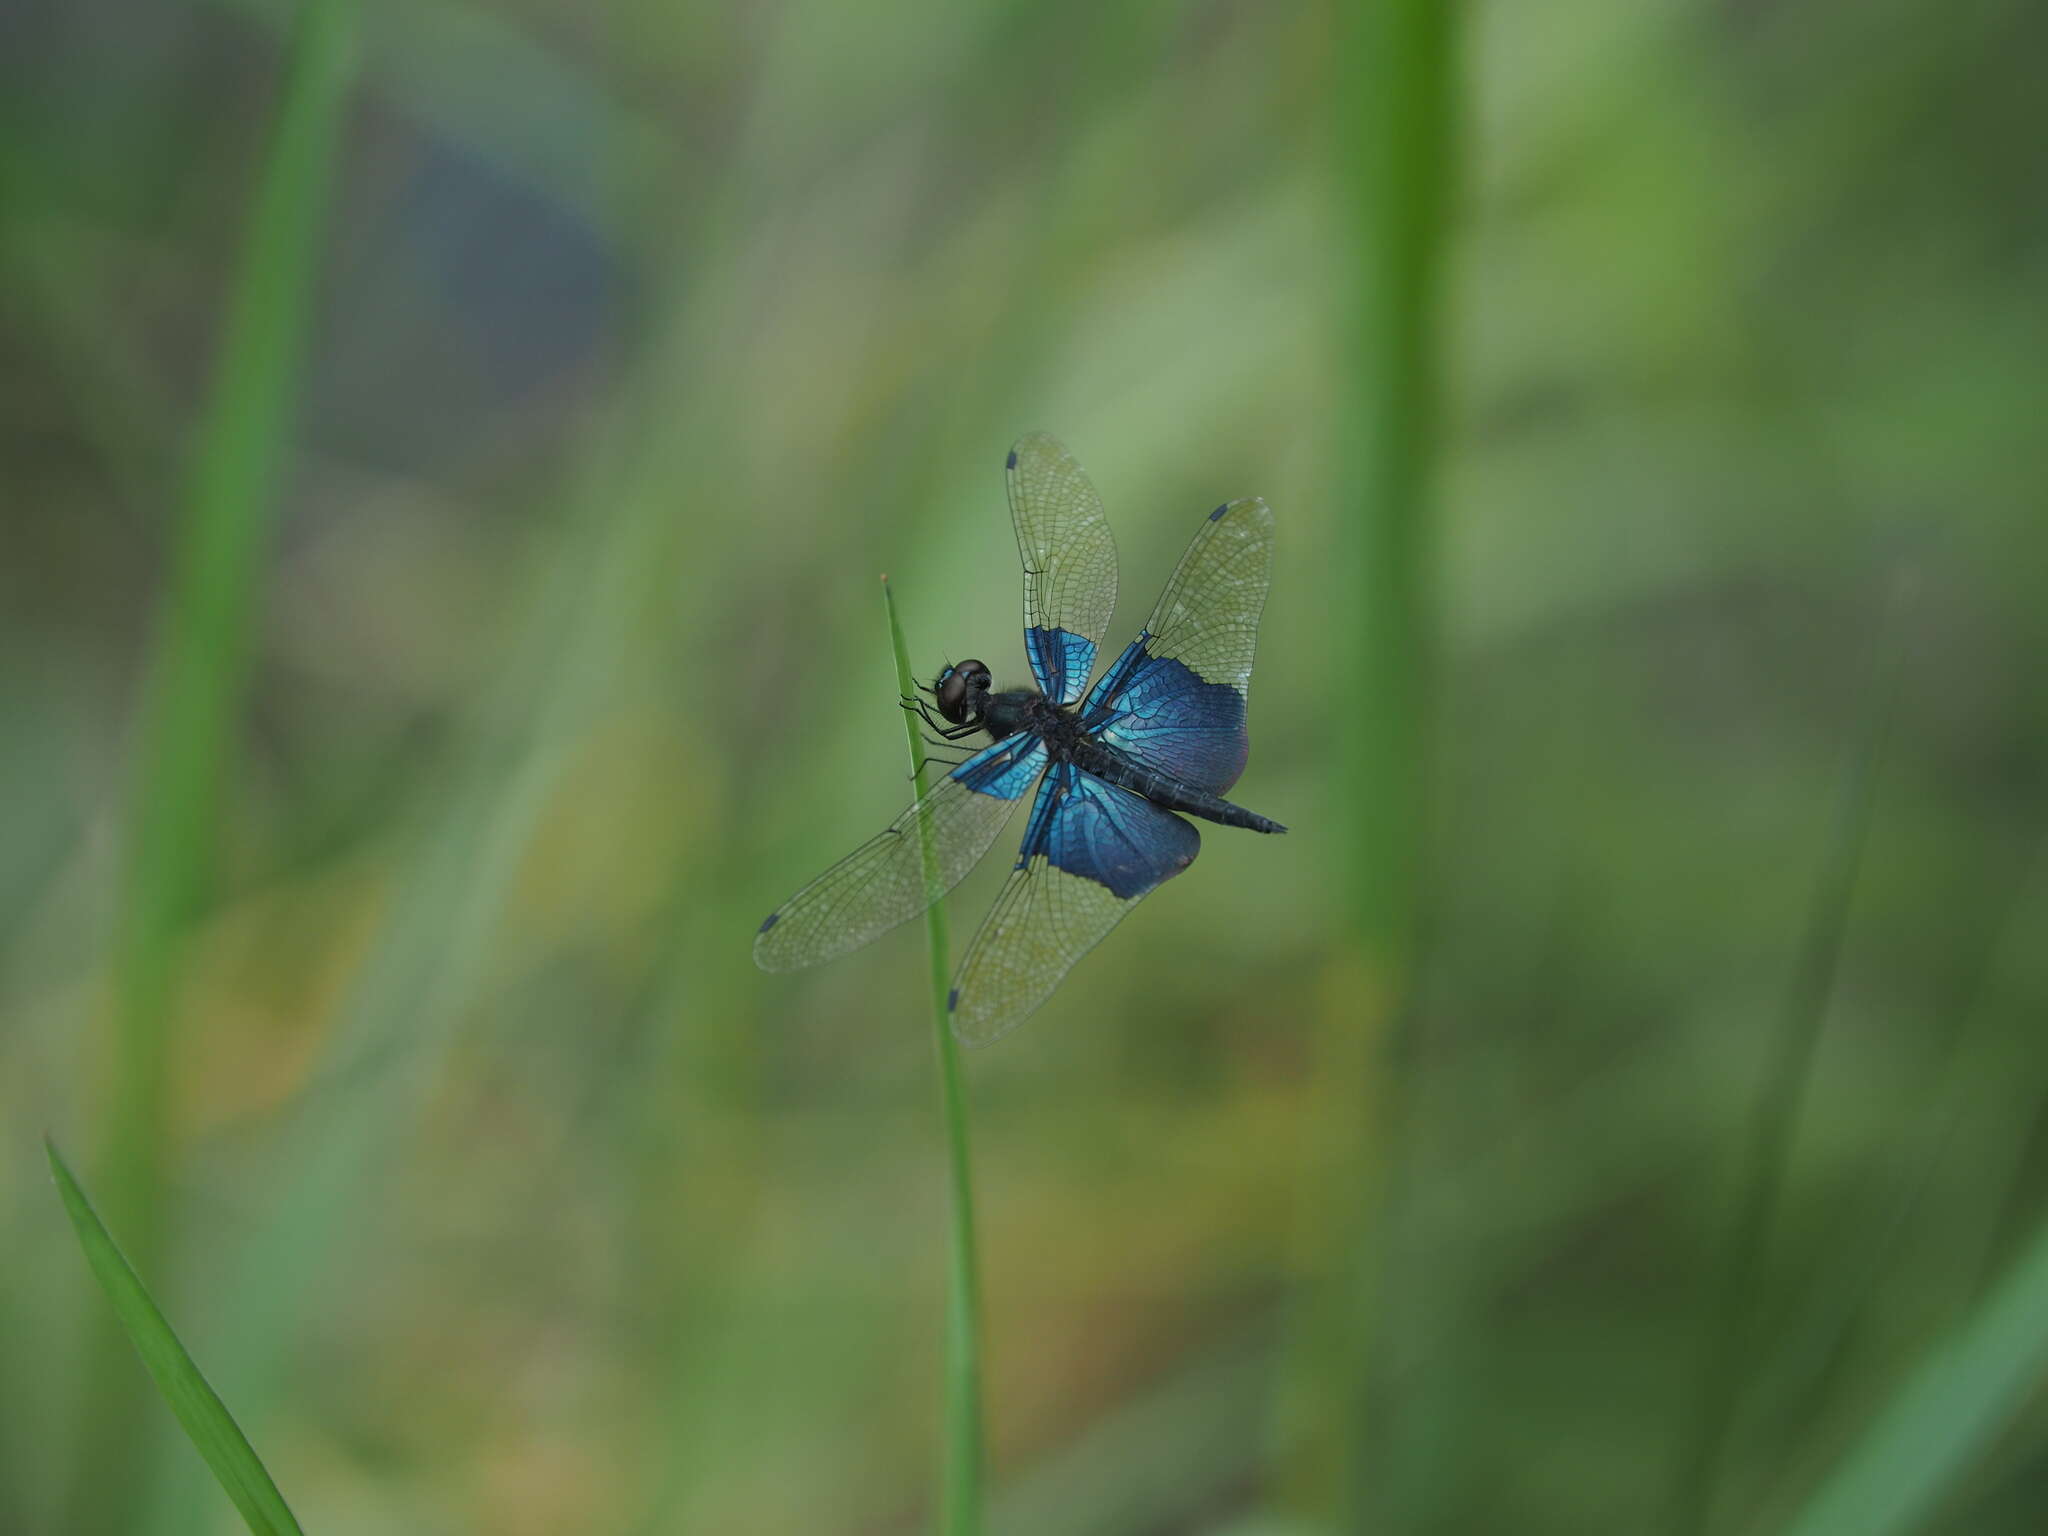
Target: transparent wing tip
[1039,444]
[977,1026]
[773,951]
[1246,509]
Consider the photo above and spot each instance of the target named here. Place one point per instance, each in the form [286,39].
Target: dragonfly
[1118,766]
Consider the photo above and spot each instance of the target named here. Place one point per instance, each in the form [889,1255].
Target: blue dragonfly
[1163,731]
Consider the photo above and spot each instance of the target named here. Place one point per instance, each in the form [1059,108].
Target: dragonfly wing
[1091,852]
[1069,565]
[888,879]
[1175,699]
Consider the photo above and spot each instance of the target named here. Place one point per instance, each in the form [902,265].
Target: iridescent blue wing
[1091,852]
[887,880]
[1069,565]
[1175,699]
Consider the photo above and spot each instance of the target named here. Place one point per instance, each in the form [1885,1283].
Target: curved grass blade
[1945,1415]
[204,1417]
[960,1488]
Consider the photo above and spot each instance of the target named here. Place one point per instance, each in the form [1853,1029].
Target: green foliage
[200,1412]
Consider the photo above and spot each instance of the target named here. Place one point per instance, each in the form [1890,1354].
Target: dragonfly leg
[944,727]
[926,761]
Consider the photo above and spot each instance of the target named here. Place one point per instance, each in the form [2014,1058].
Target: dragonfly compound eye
[960,690]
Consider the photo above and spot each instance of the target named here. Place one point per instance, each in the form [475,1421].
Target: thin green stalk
[1398,76]
[960,1487]
[205,1418]
[194,697]
[1726,1344]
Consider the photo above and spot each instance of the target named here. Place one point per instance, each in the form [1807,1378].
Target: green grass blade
[196,688]
[960,1489]
[205,1418]
[1945,1415]
[192,705]
[1399,85]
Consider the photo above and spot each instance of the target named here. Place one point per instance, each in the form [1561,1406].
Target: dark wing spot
[1011,462]
[770,921]
[1219,512]
[953,997]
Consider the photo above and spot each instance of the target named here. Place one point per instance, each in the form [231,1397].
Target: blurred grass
[1398,155]
[396,1026]
[1730,1352]
[198,1408]
[191,713]
[960,1496]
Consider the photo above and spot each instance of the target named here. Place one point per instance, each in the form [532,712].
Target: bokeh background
[494,1187]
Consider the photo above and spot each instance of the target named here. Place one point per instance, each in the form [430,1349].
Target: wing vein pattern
[1091,852]
[1069,560]
[885,881]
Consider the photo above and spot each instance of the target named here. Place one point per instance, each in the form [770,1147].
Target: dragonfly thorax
[1026,709]
[964,696]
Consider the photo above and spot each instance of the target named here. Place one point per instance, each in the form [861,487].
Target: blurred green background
[420,1062]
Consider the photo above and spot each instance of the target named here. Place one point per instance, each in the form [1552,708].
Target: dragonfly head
[962,692]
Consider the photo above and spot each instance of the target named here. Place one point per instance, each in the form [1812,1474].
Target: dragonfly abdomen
[1165,790]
